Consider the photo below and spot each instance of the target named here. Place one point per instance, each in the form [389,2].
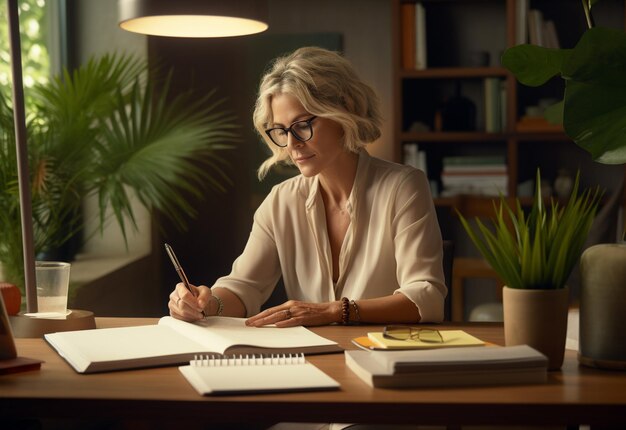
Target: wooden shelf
[481,136]
[454,136]
[455,73]
[554,136]
[478,204]
[421,96]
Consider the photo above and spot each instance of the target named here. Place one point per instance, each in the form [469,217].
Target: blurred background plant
[593,109]
[105,130]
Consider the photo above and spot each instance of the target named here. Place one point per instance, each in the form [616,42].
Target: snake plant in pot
[534,253]
[593,114]
[104,130]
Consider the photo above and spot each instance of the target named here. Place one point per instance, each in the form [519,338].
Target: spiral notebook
[218,375]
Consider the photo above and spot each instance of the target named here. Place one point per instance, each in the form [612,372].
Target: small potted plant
[534,254]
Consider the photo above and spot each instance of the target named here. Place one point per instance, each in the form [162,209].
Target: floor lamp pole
[21,147]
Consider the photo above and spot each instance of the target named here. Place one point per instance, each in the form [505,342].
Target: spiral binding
[212,360]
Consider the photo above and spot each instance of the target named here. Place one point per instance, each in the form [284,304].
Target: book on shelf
[484,175]
[476,178]
[255,374]
[467,160]
[488,187]
[476,169]
[420,37]
[413,36]
[493,105]
[521,18]
[414,157]
[535,27]
[503,103]
[474,175]
[551,38]
[542,32]
[172,342]
[407,35]
[451,339]
[449,367]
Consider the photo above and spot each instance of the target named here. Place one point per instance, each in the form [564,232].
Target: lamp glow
[194,26]
[193,18]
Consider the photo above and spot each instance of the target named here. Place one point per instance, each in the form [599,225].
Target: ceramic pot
[603,307]
[12,297]
[537,318]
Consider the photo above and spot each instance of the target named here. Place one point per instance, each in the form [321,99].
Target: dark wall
[233,67]
[211,242]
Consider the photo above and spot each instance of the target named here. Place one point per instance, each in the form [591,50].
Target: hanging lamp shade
[194,18]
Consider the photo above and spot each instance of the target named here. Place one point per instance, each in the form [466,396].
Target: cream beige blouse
[393,244]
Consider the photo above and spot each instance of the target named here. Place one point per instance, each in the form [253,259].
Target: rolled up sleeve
[419,248]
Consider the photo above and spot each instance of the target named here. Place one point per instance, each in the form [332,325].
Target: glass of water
[53,279]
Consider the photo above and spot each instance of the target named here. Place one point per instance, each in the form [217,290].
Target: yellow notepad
[451,338]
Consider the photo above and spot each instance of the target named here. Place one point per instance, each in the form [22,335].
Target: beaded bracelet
[357,316]
[220,306]
[345,311]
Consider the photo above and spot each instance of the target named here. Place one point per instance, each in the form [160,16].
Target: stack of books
[449,367]
[474,175]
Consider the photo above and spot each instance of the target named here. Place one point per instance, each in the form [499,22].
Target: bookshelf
[464,40]
[455,58]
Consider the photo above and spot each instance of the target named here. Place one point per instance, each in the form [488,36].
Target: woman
[355,238]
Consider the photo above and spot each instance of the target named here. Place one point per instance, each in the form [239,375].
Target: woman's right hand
[185,306]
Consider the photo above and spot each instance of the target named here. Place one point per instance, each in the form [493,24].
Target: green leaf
[595,118]
[599,58]
[594,114]
[534,65]
[158,149]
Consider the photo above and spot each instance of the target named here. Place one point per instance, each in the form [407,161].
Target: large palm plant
[103,130]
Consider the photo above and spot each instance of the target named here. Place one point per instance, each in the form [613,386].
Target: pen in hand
[180,271]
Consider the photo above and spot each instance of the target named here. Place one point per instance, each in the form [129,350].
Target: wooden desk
[574,395]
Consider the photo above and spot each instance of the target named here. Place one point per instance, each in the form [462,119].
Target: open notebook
[172,342]
[258,374]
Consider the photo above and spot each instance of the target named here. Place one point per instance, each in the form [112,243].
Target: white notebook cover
[246,374]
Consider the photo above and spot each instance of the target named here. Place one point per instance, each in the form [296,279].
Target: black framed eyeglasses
[398,332]
[301,130]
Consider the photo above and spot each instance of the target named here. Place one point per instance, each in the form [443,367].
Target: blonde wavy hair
[327,86]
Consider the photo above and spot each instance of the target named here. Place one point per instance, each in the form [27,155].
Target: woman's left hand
[293,313]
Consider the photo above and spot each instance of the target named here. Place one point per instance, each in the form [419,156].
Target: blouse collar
[361,172]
